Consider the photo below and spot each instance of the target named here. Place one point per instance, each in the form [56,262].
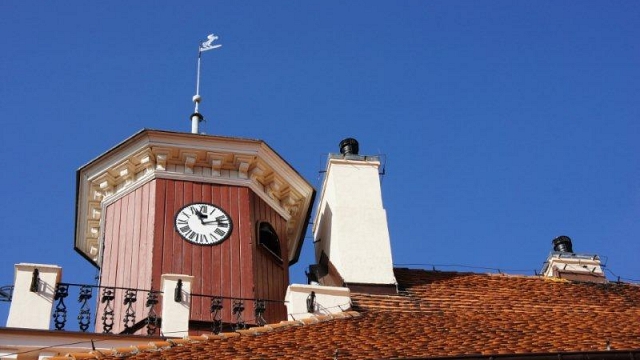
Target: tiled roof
[439,314]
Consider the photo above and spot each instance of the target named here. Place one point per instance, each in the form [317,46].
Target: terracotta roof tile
[440,314]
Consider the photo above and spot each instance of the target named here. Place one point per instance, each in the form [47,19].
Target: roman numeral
[185,229]
[219,231]
[182,221]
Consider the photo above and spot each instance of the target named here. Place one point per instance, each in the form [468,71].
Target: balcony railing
[106,307]
[238,307]
[116,310]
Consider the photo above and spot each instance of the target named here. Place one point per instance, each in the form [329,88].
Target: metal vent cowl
[349,146]
[562,244]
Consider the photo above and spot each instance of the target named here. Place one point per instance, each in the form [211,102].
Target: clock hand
[212,222]
[201,216]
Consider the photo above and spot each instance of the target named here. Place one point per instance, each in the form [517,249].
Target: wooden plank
[157,202]
[107,271]
[145,236]
[281,228]
[264,264]
[252,245]
[246,252]
[168,232]
[214,276]
[244,255]
[225,252]
[177,241]
[133,243]
[260,268]
[115,244]
[195,263]
[203,265]
[274,274]
[121,265]
[158,232]
[234,250]
[187,247]
[122,233]
[109,261]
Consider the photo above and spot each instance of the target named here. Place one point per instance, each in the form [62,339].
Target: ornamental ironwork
[84,317]
[108,295]
[259,307]
[152,317]
[125,299]
[60,312]
[129,318]
[238,309]
[216,316]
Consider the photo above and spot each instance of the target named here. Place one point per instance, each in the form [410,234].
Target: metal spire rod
[204,46]
[196,98]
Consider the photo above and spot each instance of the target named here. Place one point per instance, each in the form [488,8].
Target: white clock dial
[204,224]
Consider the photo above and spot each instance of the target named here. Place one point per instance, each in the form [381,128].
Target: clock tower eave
[153,154]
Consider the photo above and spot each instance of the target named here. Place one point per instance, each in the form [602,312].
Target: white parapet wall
[175,314]
[31,305]
[327,300]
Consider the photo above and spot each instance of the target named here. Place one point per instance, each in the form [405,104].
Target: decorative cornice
[154,154]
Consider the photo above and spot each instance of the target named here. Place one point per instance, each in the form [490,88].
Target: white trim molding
[154,154]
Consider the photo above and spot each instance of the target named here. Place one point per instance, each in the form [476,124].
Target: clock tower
[230,212]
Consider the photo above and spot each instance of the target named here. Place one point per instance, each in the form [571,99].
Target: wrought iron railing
[106,308]
[226,313]
[238,307]
[6,293]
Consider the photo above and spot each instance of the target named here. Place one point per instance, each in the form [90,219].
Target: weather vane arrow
[204,46]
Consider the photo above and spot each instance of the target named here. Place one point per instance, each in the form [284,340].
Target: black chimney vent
[349,146]
[562,244]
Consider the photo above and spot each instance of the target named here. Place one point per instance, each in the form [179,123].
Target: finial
[196,100]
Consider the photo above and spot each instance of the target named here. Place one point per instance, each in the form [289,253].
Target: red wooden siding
[128,234]
[272,276]
[141,244]
[222,270]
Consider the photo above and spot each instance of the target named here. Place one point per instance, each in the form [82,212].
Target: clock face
[204,224]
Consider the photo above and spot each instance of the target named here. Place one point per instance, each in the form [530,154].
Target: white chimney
[563,263]
[350,230]
[304,301]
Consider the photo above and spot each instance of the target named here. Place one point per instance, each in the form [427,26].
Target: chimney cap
[562,244]
[349,146]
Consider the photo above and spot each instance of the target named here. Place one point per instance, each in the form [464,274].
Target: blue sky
[504,124]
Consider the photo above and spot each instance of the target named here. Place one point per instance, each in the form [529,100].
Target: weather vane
[204,46]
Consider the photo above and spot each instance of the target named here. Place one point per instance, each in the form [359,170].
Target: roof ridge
[537,276]
[169,343]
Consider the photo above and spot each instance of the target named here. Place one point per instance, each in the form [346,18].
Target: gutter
[630,354]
